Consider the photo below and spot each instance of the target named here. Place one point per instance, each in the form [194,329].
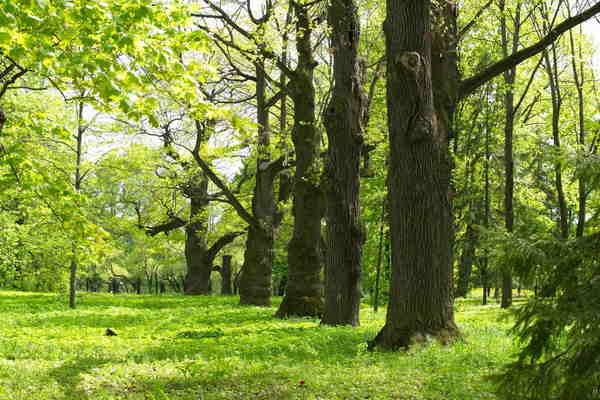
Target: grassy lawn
[174,347]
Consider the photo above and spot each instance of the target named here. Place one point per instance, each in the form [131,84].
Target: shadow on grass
[461,375]
[69,375]
[159,302]
[325,344]
[44,302]
[32,303]
[120,318]
[258,382]
[101,321]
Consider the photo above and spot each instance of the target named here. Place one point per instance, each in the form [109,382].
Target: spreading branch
[174,223]
[6,84]
[239,208]
[222,242]
[469,85]
[260,47]
[471,23]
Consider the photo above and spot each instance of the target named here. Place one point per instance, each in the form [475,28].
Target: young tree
[577,64]
[509,123]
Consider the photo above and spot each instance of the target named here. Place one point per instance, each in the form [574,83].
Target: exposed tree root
[404,338]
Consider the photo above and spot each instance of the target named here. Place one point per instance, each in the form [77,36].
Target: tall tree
[577,65]
[551,66]
[255,280]
[509,127]
[342,119]
[422,63]
[421,220]
[256,272]
[304,289]
[77,181]
[199,256]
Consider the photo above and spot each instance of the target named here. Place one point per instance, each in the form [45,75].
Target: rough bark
[342,120]
[255,279]
[304,289]
[199,266]
[225,271]
[421,220]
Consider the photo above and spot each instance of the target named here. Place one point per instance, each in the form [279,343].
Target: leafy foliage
[560,357]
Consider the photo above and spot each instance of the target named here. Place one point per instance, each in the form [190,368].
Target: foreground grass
[175,347]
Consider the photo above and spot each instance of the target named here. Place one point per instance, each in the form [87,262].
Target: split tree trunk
[342,121]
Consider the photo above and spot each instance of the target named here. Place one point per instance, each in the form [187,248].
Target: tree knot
[412,61]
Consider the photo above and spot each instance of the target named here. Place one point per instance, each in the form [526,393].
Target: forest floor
[175,347]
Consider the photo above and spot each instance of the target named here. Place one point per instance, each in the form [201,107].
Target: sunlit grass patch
[176,347]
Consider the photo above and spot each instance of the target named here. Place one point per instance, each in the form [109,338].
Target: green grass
[175,347]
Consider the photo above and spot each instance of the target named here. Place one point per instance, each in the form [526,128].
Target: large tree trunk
[421,223]
[199,257]
[199,267]
[421,300]
[342,120]
[304,289]
[255,279]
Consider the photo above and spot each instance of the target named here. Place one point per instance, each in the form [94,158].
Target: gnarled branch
[174,223]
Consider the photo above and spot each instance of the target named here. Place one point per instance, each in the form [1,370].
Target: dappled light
[304,199]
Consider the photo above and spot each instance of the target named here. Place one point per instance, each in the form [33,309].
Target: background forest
[325,156]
